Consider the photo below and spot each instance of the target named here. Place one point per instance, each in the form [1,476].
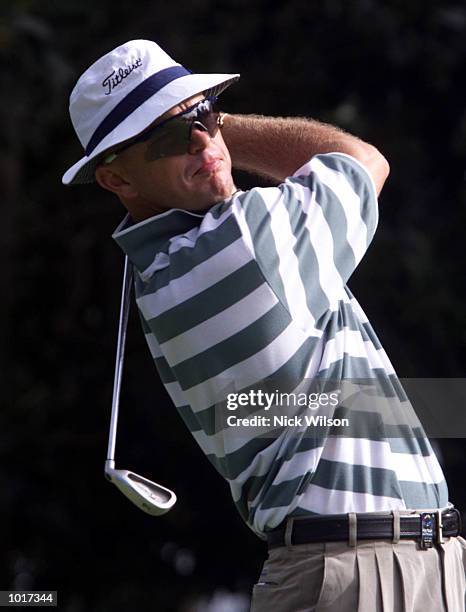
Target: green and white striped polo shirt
[255,291]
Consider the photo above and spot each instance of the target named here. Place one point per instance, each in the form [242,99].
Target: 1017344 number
[28,598]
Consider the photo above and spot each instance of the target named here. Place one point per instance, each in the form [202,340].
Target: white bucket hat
[125,91]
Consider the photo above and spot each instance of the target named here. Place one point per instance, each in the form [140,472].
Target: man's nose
[200,138]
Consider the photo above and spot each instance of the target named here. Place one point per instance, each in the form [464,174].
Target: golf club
[147,495]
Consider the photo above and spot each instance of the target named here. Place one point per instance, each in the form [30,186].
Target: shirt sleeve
[309,234]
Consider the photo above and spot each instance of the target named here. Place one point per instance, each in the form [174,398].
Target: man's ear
[110,178]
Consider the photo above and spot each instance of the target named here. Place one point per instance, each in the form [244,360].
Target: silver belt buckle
[440,539]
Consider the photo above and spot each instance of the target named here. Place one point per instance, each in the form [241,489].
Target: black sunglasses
[172,136]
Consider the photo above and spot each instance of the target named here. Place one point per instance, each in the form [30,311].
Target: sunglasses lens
[170,139]
[173,137]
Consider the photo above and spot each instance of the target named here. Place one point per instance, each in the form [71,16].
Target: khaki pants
[374,576]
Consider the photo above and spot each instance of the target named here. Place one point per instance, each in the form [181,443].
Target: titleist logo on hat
[116,76]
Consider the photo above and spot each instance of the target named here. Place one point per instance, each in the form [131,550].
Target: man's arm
[276,147]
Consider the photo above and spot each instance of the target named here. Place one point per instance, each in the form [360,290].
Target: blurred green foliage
[390,72]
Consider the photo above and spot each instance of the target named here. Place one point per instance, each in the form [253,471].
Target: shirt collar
[142,241]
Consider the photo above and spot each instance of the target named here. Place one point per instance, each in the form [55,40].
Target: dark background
[389,72]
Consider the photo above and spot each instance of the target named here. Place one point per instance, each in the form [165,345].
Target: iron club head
[147,495]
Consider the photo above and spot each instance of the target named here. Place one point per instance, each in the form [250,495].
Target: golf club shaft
[120,355]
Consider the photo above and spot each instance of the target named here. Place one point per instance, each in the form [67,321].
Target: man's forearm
[276,147]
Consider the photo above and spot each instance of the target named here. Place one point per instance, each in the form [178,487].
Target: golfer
[244,303]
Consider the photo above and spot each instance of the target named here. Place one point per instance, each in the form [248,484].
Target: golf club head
[147,495]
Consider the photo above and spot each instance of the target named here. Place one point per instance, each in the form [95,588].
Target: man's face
[193,181]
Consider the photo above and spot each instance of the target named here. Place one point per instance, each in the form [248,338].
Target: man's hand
[276,147]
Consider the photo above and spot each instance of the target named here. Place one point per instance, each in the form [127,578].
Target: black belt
[428,527]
